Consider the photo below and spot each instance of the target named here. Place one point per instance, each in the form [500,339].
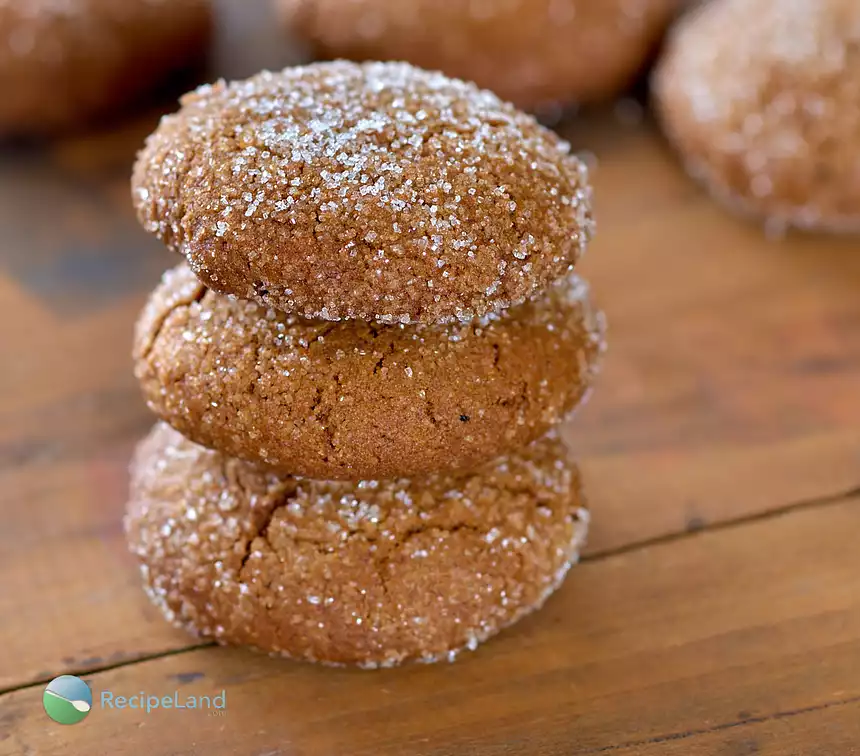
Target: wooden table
[717,610]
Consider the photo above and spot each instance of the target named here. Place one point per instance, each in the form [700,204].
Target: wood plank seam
[599,556]
[717,526]
[108,667]
[674,736]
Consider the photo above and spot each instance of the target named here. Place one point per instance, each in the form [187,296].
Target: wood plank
[729,394]
[729,390]
[742,631]
[69,593]
[119,624]
[645,495]
[717,336]
[97,615]
[828,729]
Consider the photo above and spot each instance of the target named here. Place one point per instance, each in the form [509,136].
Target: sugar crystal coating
[372,573]
[355,399]
[375,191]
[762,98]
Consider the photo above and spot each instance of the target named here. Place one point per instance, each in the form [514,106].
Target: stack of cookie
[361,363]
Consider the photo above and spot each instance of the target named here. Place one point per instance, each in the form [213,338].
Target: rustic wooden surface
[717,610]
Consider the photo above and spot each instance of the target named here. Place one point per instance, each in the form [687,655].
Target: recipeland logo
[69,700]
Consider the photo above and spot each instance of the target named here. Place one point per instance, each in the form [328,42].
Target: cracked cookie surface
[373,573]
[372,191]
[353,399]
[69,61]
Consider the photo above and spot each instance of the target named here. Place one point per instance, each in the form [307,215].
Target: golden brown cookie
[376,191]
[67,61]
[354,400]
[762,100]
[371,574]
[532,52]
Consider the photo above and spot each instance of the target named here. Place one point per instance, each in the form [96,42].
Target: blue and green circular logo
[67,699]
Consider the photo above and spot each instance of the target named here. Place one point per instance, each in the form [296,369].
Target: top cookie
[376,191]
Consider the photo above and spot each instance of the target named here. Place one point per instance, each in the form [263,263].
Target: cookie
[67,61]
[534,53]
[762,100]
[354,400]
[376,191]
[373,574]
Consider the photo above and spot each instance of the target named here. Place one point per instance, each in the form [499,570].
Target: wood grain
[702,414]
[729,395]
[825,729]
[736,636]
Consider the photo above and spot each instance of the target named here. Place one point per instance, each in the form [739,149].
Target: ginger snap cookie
[68,61]
[372,574]
[372,191]
[353,399]
[762,100]
[534,53]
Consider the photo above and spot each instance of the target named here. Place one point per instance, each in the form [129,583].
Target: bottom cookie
[370,573]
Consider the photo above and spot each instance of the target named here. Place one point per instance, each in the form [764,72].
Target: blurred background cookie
[354,400]
[762,100]
[535,53]
[373,574]
[63,62]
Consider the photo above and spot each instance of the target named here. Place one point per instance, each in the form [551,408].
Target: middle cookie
[353,400]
